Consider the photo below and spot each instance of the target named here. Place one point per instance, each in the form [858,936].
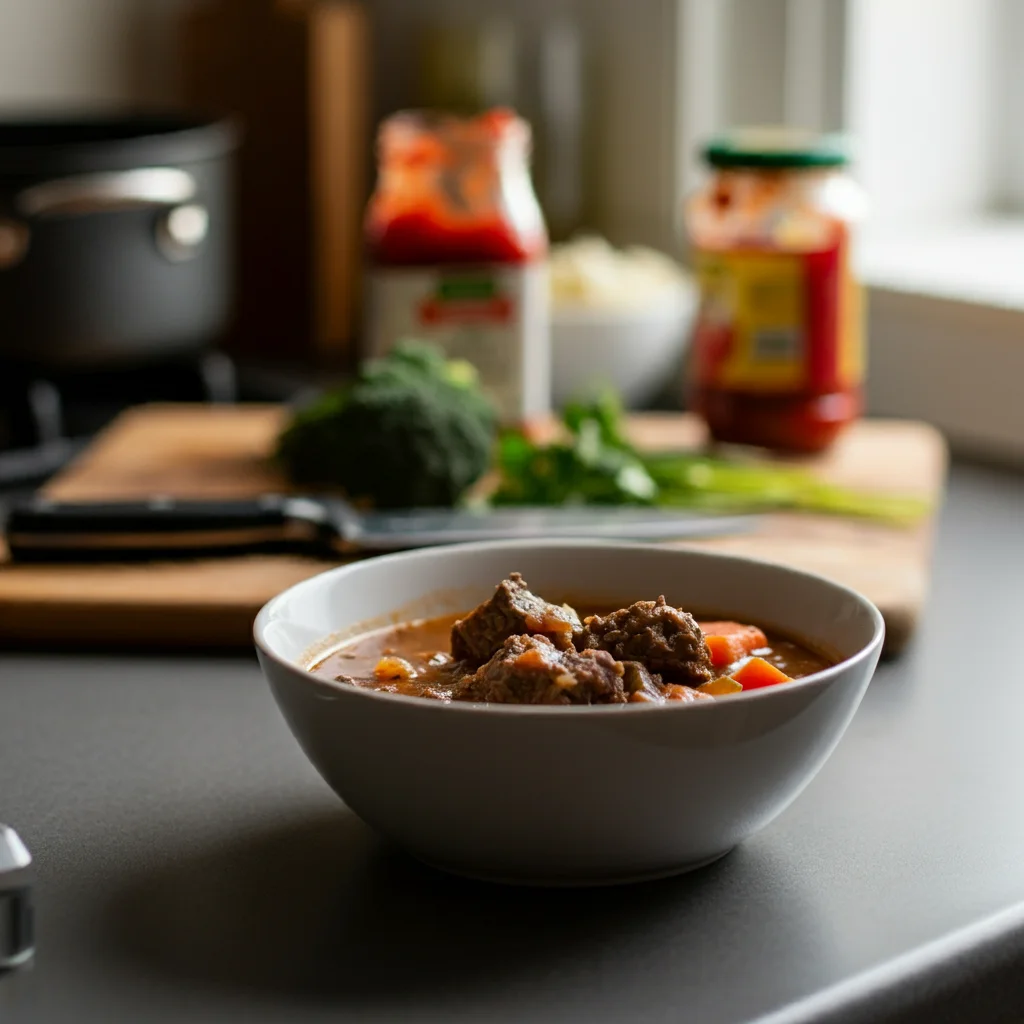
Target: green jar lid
[776,149]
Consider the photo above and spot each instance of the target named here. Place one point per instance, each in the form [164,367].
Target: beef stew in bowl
[566,794]
[518,648]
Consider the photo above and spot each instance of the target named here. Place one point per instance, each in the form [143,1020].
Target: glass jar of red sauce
[457,251]
[778,348]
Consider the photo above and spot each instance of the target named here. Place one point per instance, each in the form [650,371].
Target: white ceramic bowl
[567,795]
[638,351]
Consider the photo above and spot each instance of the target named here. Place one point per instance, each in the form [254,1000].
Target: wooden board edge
[89,626]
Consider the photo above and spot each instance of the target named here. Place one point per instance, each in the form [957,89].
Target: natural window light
[976,259]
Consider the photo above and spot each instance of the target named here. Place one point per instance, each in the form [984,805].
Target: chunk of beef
[532,670]
[512,611]
[667,640]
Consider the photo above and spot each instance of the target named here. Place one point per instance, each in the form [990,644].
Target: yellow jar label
[774,322]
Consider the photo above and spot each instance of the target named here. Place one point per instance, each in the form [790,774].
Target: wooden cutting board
[211,451]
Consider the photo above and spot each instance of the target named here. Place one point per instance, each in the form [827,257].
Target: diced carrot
[721,686]
[722,650]
[757,673]
[745,639]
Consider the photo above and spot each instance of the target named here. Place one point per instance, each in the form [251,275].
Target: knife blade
[41,529]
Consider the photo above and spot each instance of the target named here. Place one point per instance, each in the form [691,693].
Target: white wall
[81,53]
[754,72]
[921,71]
[1009,27]
[630,47]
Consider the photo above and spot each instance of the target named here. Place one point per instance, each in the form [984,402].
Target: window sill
[946,329]
[979,261]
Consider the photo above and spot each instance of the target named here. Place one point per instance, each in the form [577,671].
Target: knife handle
[43,530]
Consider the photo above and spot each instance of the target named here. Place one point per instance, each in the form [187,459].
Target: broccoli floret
[412,429]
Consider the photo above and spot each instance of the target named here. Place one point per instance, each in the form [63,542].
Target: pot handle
[179,232]
[107,191]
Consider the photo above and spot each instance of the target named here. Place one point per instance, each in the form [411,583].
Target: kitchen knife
[41,529]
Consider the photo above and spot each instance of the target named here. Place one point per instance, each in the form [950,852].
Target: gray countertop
[191,864]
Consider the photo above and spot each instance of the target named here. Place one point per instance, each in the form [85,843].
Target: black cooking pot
[115,239]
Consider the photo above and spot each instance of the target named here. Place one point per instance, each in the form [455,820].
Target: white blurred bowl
[637,351]
[567,795]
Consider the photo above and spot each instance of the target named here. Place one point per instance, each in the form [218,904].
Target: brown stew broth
[424,644]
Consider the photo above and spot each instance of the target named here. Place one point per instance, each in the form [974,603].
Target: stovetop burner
[45,420]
